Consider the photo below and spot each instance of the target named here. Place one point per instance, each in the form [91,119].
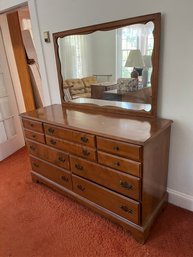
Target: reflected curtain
[74,56]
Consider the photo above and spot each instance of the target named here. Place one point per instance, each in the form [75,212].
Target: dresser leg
[140,240]
[139,236]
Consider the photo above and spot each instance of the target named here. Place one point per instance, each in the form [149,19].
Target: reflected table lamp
[134,60]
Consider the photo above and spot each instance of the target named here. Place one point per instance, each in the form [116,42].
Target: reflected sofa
[78,87]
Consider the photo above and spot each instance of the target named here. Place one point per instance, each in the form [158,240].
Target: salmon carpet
[38,222]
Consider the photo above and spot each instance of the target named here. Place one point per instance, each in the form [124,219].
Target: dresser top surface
[131,129]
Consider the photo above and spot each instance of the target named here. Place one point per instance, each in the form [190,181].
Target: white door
[11,136]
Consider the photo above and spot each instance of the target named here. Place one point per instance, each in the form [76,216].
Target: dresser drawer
[83,151]
[112,201]
[112,179]
[113,161]
[49,154]
[70,135]
[52,172]
[39,137]
[32,125]
[133,152]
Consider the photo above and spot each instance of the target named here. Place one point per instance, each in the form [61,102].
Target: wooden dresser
[115,165]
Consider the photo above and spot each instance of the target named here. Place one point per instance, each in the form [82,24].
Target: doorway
[11,137]
[17,24]
[20,30]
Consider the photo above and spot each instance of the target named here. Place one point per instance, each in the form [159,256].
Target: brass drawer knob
[80,187]
[53,142]
[32,147]
[125,185]
[85,152]
[65,179]
[84,139]
[35,165]
[126,209]
[51,130]
[116,148]
[117,164]
[61,159]
[78,166]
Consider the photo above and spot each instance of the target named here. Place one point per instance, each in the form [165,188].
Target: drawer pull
[126,209]
[116,148]
[80,187]
[85,152]
[117,164]
[51,130]
[34,136]
[126,185]
[84,139]
[53,142]
[35,165]
[64,178]
[32,147]
[31,124]
[78,166]
[61,159]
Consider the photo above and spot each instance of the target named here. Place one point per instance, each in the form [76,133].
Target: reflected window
[138,36]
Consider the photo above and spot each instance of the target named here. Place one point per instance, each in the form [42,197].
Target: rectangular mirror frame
[156,19]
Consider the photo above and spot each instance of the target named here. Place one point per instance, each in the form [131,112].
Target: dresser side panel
[155,171]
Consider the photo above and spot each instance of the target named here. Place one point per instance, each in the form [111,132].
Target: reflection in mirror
[110,65]
[113,65]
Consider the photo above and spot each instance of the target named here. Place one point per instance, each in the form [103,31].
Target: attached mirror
[113,66]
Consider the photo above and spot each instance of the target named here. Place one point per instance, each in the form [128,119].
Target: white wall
[104,53]
[176,66]
[6,4]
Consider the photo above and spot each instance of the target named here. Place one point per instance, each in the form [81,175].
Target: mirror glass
[109,67]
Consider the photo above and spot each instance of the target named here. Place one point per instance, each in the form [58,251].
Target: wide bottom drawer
[52,172]
[117,181]
[49,154]
[112,201]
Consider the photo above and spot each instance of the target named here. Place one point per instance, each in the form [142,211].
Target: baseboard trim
[182,200]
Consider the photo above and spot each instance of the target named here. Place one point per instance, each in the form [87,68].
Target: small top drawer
[32,125]
[83,151]
[122,164]
[70,135]
[39,137]
[131,151]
